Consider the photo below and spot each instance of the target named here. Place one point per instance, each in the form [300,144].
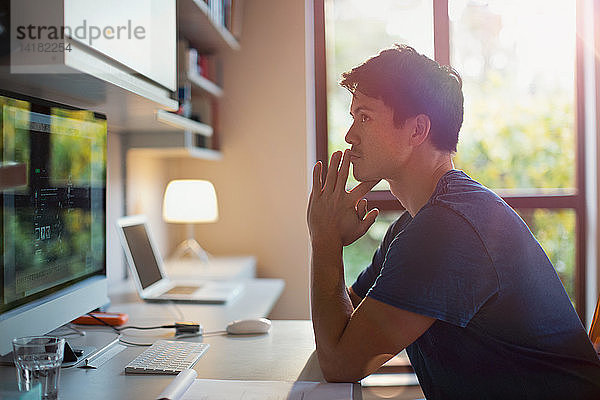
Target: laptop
[152,284]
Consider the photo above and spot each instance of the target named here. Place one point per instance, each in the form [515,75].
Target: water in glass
[39,360]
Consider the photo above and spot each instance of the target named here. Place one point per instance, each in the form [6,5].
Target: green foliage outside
[359,254]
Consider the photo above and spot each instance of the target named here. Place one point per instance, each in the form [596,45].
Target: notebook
[152,283]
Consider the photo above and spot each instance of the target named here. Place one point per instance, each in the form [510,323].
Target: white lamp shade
[190,201]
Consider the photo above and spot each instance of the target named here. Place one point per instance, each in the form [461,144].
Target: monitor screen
[52,198]
[144,259]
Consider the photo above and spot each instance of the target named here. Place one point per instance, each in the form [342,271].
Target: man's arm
[351,342]
[354,298]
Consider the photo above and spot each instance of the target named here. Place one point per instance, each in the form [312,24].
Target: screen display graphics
[52,198]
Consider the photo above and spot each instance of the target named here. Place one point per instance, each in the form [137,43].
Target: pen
[100,351]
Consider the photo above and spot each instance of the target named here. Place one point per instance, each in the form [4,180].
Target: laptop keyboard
[182,290]
[167,357]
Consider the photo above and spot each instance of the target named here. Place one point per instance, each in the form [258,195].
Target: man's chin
[363,178]
[357,176]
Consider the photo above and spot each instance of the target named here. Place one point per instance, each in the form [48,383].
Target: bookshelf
[202,33]
[182,123]
[204,84]
[194,22]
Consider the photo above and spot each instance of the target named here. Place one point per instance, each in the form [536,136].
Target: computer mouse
[249,326]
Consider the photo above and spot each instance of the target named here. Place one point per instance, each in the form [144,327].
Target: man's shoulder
[438,220]
[399,224]
[457,183]
[427,221]
[457,192]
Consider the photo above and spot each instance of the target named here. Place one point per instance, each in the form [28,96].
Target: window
[517,61]
[520,66]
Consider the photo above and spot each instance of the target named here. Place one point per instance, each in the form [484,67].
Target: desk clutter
[281,363]
[164,356]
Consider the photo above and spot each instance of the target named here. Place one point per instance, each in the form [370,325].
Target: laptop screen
[144,260]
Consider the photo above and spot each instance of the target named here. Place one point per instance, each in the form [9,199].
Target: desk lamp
[190,201]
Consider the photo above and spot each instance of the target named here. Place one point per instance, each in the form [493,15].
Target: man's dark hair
[412,84]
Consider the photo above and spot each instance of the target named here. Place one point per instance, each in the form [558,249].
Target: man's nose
[350,137]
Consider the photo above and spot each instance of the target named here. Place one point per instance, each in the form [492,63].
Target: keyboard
[183,290]
[168,357]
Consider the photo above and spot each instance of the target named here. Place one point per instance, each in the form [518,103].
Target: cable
[121,340]
[176,307]
[74,330]
[104,322]
[119,330]
[190,335]
[77,330]
[182,330]
[134,344]
[213,333]
[146,327]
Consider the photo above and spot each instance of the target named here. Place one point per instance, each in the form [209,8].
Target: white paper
[397,379]
[179,385]
[399,360]
[208,389]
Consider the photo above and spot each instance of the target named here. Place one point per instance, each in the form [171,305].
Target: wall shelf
[194,23]
[206,154]
[204,84]
[201,154]
[168,144]
[184,124]
[179,137]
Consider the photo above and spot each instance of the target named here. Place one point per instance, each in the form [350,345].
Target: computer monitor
[52,215]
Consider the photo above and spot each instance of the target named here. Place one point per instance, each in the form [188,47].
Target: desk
[283,354]
[286,353]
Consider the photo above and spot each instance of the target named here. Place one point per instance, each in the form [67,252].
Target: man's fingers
[332,172]
[369,219]
[362,189]
[342,178]
[317,183]
[361,208]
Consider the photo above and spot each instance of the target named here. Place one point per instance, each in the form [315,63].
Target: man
[458,280]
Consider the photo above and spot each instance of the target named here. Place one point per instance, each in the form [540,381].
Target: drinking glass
[38,359]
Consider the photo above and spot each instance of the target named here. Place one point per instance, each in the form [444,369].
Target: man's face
[379,148]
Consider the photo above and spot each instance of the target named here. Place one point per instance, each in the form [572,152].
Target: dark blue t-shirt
[505,327]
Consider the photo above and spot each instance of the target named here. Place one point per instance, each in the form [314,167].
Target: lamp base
[191,246]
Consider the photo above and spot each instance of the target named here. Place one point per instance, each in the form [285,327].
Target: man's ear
[422,125]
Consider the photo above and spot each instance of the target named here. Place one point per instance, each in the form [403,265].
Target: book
[184,96]
[236,18]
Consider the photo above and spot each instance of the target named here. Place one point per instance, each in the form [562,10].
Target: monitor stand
[77,349]
[72,355]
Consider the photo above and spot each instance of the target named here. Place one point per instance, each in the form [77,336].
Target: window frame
[385,201]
